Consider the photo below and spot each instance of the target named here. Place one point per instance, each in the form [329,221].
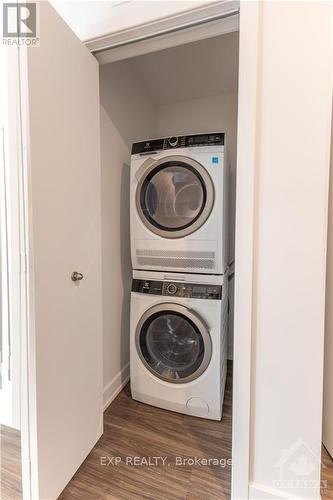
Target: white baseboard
[112,389]
[262,492]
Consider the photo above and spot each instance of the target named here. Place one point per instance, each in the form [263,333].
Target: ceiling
[91,19]
[207,67]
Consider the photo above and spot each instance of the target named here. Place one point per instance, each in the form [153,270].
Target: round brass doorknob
[76,276]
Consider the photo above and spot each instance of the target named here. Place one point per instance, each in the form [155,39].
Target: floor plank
[326,475]
[10,460]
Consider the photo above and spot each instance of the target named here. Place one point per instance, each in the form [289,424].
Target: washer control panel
[181,141]
[178,289]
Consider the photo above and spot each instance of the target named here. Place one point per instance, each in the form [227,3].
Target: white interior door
[61,102]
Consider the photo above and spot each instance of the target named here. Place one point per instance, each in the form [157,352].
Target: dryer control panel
[182,141]
[178,289]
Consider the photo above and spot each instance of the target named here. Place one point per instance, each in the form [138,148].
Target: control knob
[173,141]
[172,289]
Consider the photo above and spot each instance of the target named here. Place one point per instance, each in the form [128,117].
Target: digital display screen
[200,138]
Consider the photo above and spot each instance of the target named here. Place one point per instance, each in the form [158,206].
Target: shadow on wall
[124,242]
[116,262]
[126,115]
[126,100]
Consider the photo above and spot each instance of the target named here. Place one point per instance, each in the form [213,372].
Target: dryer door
[173,343]
[175,196]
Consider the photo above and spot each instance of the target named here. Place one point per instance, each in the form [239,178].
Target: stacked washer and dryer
[179,249]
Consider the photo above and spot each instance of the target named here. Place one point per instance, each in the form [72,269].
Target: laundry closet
[82,105]
[79,184]
[183,90]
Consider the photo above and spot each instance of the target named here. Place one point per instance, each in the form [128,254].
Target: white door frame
[17,226]
[29,437]
[190,26]
[245,240]
[142,40]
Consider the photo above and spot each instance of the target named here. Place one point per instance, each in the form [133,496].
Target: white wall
[127,115]
[291,187]
[208,114]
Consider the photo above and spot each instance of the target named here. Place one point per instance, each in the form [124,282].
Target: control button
[171,289]
[173,141]
[145,287]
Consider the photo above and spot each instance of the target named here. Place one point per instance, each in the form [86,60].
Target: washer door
[173,343]
[175,196]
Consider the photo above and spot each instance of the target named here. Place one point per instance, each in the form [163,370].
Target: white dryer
[179,204]
[178,342]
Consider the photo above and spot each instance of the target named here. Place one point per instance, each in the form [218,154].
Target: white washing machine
[178,342]
[179,204]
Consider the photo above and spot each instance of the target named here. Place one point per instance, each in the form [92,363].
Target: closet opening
[186,91]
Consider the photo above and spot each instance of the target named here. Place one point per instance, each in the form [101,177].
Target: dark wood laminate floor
[10,464]
[136,430]
[133,429]
[326,475]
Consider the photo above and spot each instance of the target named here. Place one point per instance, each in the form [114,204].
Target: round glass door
[175,197]
[173,343]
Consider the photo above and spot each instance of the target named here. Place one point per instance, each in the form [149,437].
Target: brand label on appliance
[215,159]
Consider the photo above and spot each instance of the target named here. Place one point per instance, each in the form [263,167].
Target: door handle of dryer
[173,277]
[142,170]
[199,317]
